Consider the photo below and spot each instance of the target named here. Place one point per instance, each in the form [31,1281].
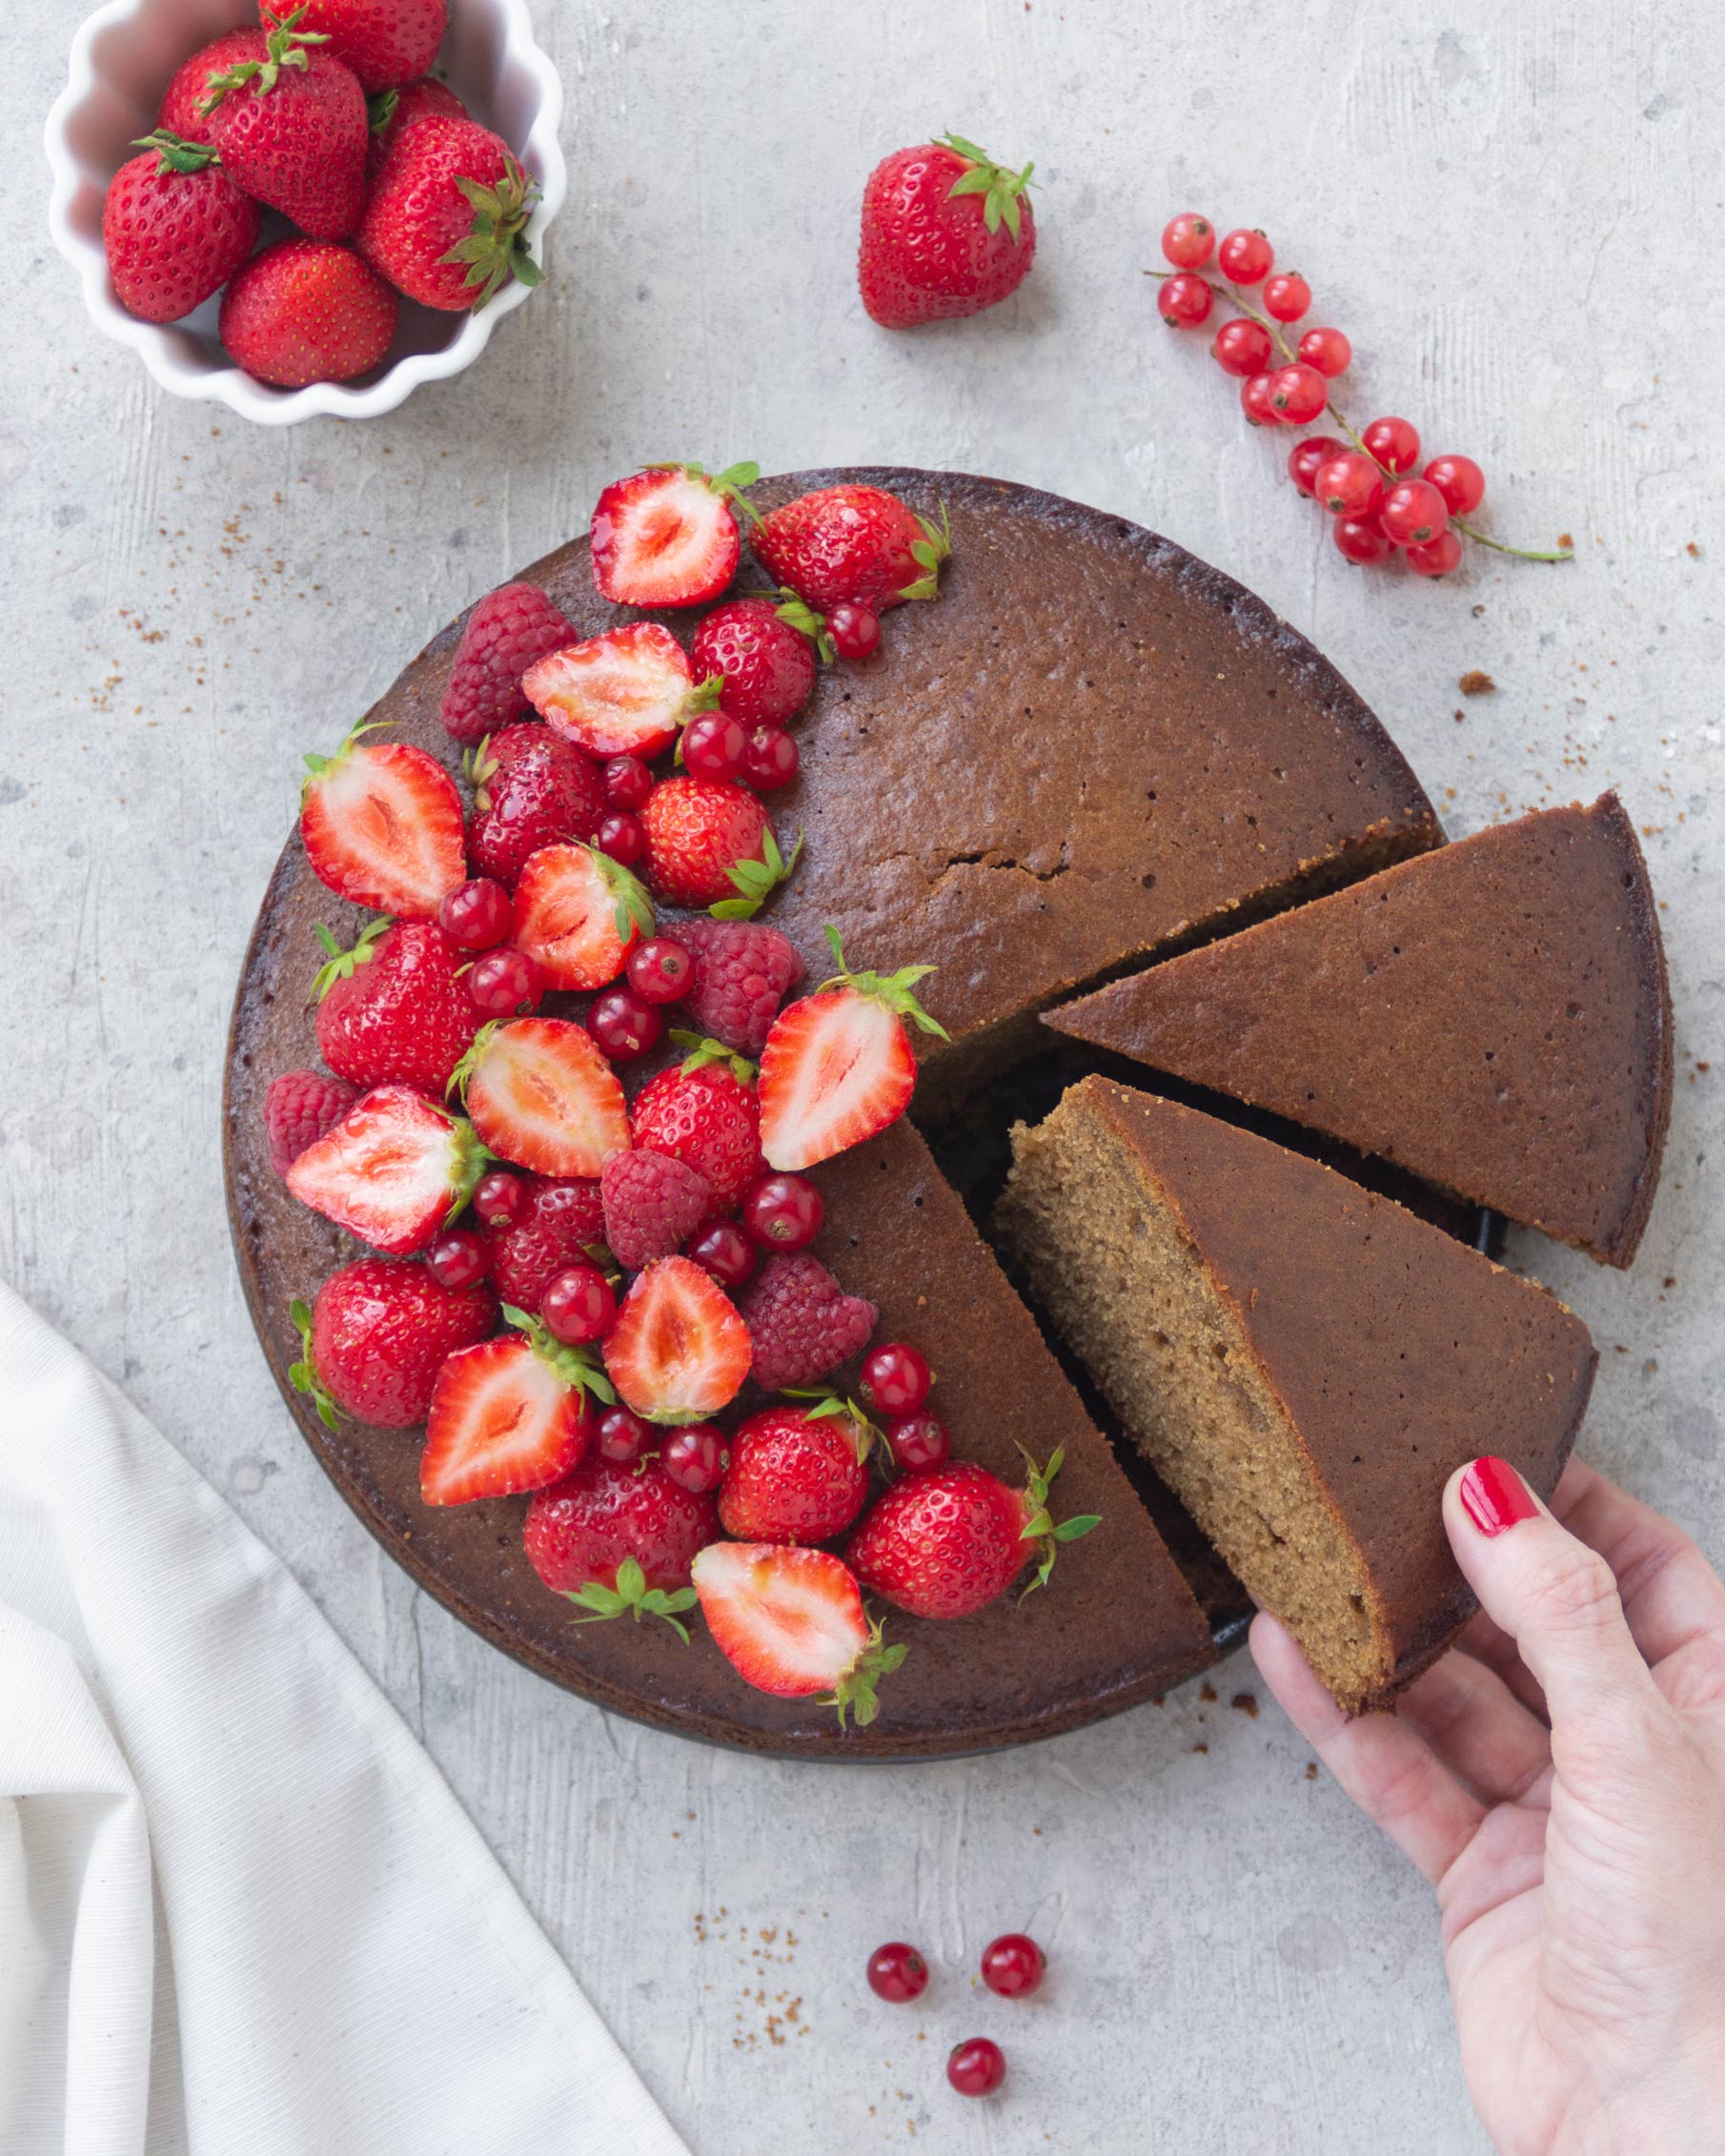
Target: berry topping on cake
[579,914]
[700,833]
[852,542]
[505,984]
[668,535]
[508,1416]
[704,1112]
[801,1324]
[393,1170]
[531,789]
[895,1380]
[946,1542]
[626,693]
[382,823]
[375,1339]
[744,971]
[579,1303]
[946,231]
[790,1621]
[694,1455]
[654,1203]
[555,1223]
[766,661]
[679,1350]
[477,914]
[541,1095]
[625,1026]
[395,1009]
[300,1108]
[660,970]
[587,1530]
[783,1212]
[510,630]
[797,1475]
[721,1248]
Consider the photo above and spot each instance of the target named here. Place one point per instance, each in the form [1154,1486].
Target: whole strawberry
[181,110]
[175,227]
[562,1219]
[376,1336]
[742,972]
[796,1476]
[945,232]
[394,1010]
[852,542]
[699,832]
[585,1530]
[531,789]
[768,666]
[300,1108]
[949,1540]
[801,1324]
[446,222]
[308,310]
[507,632]
[385,42]
[291,130]
[393,112]
[703,1113]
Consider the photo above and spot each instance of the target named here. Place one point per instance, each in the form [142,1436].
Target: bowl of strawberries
[305,211]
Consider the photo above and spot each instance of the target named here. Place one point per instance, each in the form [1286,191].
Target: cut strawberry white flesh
[679,1350]
[541,1095]
[503,1419]
[381,821]
[667,537]
[624,693]
[580,914]
[790,1623]
[392,1171]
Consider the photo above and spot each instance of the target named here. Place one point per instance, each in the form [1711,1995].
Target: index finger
[1672,1596]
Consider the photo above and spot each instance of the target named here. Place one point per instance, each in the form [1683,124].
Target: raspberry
[742,973]
[558,1218]
[653,1203]
[298,1108]
[708,1119]
[531,789]
[802,1323]
[509,631]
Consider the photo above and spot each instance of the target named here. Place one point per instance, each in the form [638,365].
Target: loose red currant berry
[853,628]
[695,1457]
[1188,241]
[1246,257]
[977,2067]
[1308,457]
[721,1248]
[1414,512]
[896,1378]
[1184,301]
[627,781]
[1394,443]
[476,914]
[771,760]
[1328,351]
[621,836]
[578,1305]
[498,1197]
[1361,540]
[622,1436]
[660,970]
[920,1441]
[457,1258]
[1013,1964]
[1254,401]
[714,745]
[897,1972]
[1436,558]
[505,982]
[1299,393]
[783,1212]
[1460,481]
[623,1025]
[1243,347]
[1348,485]
[1287,297]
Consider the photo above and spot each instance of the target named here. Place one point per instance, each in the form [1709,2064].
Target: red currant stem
[1521,553]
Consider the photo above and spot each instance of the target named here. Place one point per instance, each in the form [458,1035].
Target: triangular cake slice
[1492,1016]
[1305,1362]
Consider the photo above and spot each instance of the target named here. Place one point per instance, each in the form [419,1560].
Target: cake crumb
[1564,540]
[1311,1770]
[1246,1703]
[1693,551]
[1200,1747]
[1476,682]
[1207,1690]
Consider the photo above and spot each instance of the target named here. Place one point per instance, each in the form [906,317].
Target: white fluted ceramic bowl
[121,61]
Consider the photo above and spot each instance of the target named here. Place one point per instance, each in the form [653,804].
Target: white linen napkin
[239,1908]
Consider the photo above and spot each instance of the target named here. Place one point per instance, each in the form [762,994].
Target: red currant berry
[1013,1964]
[1287,297]
[578,1305]
[783,1212]
[1246,257]
[695,1457]
[660,970]
[1308,457]
[457,1258]
[1188,241]
[896,1378]
[622,1437]
[771,760]
[977,2067]
[721,1248]
[1184,301]
[1299,393]
[1460,481]
[621,836]
[897,1972]
[714,745]
[1361,540]
[476,914]
[1414,512]
[1394,443]
[505,982]
[1254,401]
[1436,558]
[1242,347]
[1348,485]
[498,1197]
[920,1441]
[1328,351]
[623,1025]
[853,628]
[627,781]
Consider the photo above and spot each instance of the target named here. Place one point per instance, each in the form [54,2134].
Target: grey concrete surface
[1515,214]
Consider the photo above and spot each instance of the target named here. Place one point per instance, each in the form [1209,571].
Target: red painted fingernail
[1494,1496]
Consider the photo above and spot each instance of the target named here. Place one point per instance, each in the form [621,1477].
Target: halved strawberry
[540,1094]
[393,1170]
[838,1065]
[678,1350]
[382,823]
[668,535]
[626,693]
[791,1623]
[580,914]
[508,1416]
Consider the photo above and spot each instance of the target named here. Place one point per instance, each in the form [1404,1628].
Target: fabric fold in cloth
[239,1906]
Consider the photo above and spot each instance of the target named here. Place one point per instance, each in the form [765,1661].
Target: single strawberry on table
[393,1171]
[668,535]
[653,1203]
[801,1324]
[531,789]
[181,110]
[797,1475]
[510,1414]
[560,1221]
[790,1621]
[541,1095]
[946,231]
[580,914]
[300,1108]
[394,1010]
[508,630]
[703,1111]
[385,42]
[627,692]
[446,221]
[678,1351]
[381,821]
[291,129]
[852,542]
[376,1335]
[766,661]
[308,310]
[174,228]
[617,1538]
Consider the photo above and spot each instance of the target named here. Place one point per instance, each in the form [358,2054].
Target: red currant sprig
[1379,505]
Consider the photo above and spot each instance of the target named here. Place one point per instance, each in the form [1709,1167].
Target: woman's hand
[1560,1780]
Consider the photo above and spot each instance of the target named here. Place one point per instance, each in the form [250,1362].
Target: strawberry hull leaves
[755,881]
[1041,1528]
[634,1597]
[1001,186]
[496,250]
[303,1376]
